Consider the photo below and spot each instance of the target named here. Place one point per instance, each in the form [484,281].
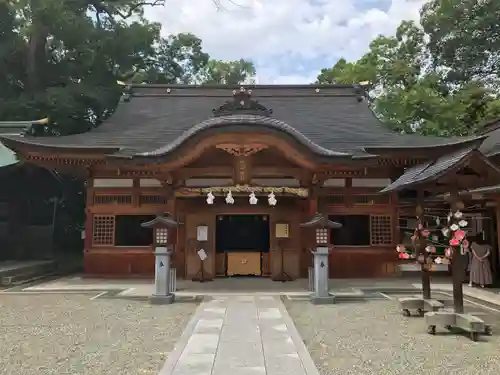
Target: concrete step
[20,273]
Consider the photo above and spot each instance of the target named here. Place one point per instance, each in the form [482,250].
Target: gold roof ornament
[43,121]
[121,83]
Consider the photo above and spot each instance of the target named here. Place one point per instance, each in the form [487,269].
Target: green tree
[66,57]
[228,72]
[409,93]
[63,59]
[178,59]
[464,36]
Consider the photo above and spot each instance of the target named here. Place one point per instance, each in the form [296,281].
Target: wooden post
[136,191]
[89,222]
[457,267]
[497,249]
[420,247]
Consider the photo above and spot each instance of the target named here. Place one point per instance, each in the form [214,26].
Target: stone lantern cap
[320,221]
[161,221]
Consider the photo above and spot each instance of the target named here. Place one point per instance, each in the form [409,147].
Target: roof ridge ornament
[242,103]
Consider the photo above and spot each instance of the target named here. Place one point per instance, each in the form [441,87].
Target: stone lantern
[164,238]
[321,226]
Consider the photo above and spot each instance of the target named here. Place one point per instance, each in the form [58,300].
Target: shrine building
[248,165]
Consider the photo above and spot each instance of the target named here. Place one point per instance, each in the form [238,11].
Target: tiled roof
[331,120]
[429,171]
[7,157]
[491,145]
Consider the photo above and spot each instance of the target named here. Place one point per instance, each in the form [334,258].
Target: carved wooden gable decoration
[242,104]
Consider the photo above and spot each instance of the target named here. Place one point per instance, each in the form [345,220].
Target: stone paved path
[244,335]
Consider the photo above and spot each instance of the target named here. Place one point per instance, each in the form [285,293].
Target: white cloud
[288,40]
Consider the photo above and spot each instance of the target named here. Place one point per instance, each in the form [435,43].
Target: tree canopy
[62,59]
[440,77]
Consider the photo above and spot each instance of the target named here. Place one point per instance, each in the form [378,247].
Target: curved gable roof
[331,120]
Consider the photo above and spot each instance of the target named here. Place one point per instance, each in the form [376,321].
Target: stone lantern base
[161,300]
[323,300]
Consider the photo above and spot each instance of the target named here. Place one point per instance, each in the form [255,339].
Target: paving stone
[204,343]
[251,337]
[259,370]
[243,333]
[190,363]
[240,354]
[204,325]
[288,364]
[270,313]
[215,310]
[278,347]
[270,332]
[245,298]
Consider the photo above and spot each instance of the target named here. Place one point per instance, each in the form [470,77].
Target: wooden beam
[215,171]
[278,171]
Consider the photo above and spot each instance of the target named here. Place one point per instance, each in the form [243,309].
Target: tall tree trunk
[36,55]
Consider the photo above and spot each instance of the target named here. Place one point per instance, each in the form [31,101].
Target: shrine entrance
[241,243]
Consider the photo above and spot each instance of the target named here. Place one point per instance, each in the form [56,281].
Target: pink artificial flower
[425,233]
[403,256]
[400,248]
[459,235]
[465,244]
[454,242]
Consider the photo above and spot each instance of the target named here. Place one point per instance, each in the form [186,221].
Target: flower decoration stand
[419,304]
[449,319]
[456,317]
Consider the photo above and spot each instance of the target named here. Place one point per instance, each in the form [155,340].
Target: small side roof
[320,221]
[431,171]
[161,220]
[16,128]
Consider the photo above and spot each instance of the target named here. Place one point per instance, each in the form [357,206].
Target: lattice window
[152,199]
[103,230]
[380,230]
[113,199]
[371,199]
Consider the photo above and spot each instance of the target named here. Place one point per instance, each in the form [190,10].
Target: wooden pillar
[136,191]
[497,228]
[348,198]
[457,265]
[395,219]
[89,223]
[421,244]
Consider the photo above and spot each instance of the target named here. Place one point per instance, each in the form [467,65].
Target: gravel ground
[374,338]
[70,334]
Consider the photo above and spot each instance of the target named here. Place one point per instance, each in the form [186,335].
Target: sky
[289,41]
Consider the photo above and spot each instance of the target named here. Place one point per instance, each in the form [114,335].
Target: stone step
[29,272]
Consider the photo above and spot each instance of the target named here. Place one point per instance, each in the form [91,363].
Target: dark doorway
[242,233]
